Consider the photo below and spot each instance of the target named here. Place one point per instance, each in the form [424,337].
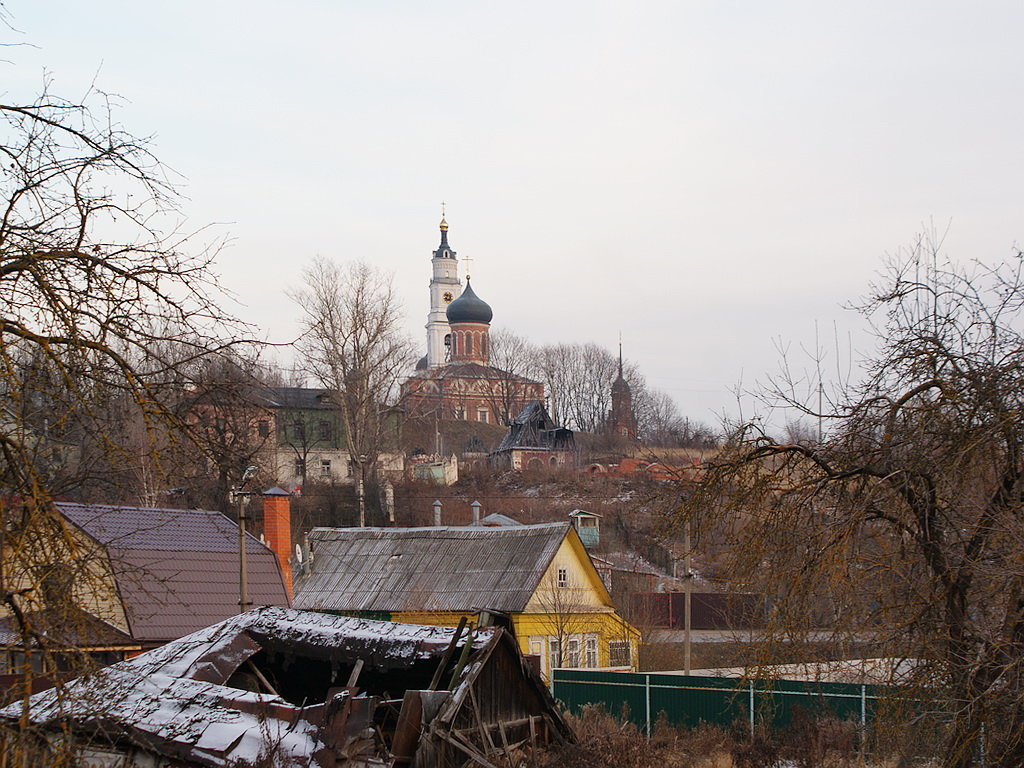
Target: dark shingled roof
[534,428]
[177,570]
[444,569]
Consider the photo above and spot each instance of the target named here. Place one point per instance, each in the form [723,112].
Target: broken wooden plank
[447,657]
[259,676]
[356,669]
[465,748]
[407,729]
[488,741]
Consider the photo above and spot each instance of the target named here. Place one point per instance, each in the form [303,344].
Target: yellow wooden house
[539,575]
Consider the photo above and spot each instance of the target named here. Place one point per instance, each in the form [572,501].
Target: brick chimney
[277,530]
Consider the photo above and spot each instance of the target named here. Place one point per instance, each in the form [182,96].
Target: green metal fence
[715,700]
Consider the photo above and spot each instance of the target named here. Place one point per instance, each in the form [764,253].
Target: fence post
[751,709]
[647,701]
[863,721]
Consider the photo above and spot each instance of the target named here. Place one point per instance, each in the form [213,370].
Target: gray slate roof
[177,570]
[458,569]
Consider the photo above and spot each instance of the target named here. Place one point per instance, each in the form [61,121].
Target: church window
[263,428]
[469,343]
[481,415]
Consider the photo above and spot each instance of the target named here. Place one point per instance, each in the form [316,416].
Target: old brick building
[455,379]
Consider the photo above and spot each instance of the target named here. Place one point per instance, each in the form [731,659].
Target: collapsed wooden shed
[308,689]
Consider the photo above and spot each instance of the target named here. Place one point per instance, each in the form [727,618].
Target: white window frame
[619,645]
[562,577]
[572,652]
[553,654]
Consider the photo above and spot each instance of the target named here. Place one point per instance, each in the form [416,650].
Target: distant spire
[620,354]
[444,250]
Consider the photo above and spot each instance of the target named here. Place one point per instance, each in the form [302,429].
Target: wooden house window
[590,651]
[563,578]
[572,652]
[537,646]
[619,653]
[554,653]
[325,430]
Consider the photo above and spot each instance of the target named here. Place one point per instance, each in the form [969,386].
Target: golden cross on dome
[442,209]
[468,260]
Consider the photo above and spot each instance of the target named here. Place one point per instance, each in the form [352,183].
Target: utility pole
[361,490]
[688,580]
[242,497]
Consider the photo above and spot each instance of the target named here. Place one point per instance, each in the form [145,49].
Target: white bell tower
[444,287]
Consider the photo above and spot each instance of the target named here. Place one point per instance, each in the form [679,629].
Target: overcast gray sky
[706,177]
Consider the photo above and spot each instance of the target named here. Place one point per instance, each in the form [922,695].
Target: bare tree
[354,344]
[229,427]
[513,358]
[661,425]
[578,379]
[92,272]
[904,524]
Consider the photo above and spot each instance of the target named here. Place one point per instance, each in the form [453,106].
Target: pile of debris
[285,687]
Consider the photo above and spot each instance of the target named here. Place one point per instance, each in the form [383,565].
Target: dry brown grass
[606,741]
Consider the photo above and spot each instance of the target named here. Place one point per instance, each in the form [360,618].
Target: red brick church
[455,379]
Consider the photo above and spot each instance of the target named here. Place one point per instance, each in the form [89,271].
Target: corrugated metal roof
[177,570]
[432,569]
